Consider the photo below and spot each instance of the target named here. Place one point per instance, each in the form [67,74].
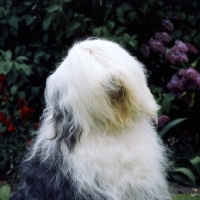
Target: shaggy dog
[97,140]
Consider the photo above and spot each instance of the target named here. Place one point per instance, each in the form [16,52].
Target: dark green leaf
[7,67]
[8,55]
[132,15]
[120,30]
[145,8]
[110,25]
[16,65]
[13,31]
[151,2]
[133,43]
[46,56]
[185,176]
[33,8]
[196,163]
[171,125]
[26,69]
[182,16]
[45,38]
[13,89]
[5,192]
[22,95]
[120,13]
[176,34]
[126,7]
[13,21]
[187,38]
[22,58]
[53,8]
[17,48]
[28,3]
[38,53]
[47,21]
[197,40]
[194,64]
[96,32]
[191,19]
[35,90]
[73,26]
[2,63]
[2,129]
[29,20]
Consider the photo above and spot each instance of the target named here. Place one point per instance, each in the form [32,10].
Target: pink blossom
[175,55]
[145,50]
[162,36]
[167,25]
[163,120]
[176,85]
[191,48]
[157,45]
[180,46]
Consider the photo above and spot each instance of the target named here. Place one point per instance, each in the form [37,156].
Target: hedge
[164,35]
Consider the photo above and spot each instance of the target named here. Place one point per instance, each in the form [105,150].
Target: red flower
[36,126]
[1,116]
[5,98]
[26,113]
[28,141]
[2,84]
[2,79]
[11,128]
[7,122]
[22,102]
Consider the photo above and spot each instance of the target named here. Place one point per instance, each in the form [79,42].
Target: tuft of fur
[96,140]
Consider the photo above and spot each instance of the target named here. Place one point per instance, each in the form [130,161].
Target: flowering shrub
[185,81]
[34,36]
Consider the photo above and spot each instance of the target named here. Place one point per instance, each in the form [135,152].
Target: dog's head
[98,87]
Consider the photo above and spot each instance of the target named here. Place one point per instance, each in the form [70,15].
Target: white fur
[127,157]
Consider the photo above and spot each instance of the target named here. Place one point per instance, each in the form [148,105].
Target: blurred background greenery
[162,34]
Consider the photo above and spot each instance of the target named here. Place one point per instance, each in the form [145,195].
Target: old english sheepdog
[97,139]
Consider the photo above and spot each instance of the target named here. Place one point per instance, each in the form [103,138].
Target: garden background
[162,34]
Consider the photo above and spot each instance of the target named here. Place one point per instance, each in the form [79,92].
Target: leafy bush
[34,37]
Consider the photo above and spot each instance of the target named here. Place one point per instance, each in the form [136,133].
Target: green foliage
[186,197]
[184,175]
[34,37]
[170,125]
[5,192]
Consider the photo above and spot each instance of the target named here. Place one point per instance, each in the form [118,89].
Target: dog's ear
[121,101]
[128,99]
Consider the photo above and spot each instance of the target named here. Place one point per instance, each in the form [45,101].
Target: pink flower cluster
[184,80]
[178,53]
[163,120]
[167,25]
[157,43]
